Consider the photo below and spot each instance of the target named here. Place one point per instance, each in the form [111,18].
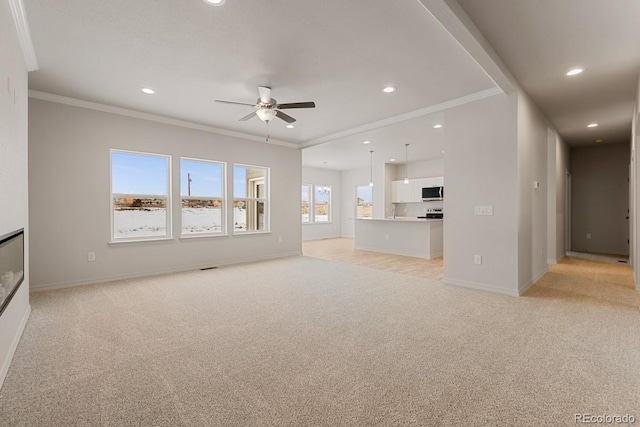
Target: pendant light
[406,163]
[371,168]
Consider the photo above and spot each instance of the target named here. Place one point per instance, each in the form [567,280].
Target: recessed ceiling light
[148,90]
[574,72]
[389,89]
[437,126]
[598,141]
[392,160]
[592,125]
[366,142]
[290,126]
[214,2]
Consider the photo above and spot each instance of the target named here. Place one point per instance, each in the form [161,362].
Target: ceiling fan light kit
[267,107]
[265,114]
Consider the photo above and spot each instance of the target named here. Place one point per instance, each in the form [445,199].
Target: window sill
[249,233]
[202,236]
[160,239]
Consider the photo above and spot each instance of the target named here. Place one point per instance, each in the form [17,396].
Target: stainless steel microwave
[432,193]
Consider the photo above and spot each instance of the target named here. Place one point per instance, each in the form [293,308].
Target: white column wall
[635,188]
[14,208]
[532,202]
[481,168]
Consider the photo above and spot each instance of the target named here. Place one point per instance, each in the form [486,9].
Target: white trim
[151,117]
[523,288]
[555,261]
[481,287]
[140,240]
[223,197]
[14,345]
[406,116]
[24,34]
[104,279]
[169,201]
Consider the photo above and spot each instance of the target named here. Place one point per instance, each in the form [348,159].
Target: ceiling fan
[267,108]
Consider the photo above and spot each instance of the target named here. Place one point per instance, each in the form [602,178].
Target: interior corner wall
[350,180]
[635,188]
[562,168]
[533,186]
[14,208]
[317,176]
[600,199]
[69,185]
[481,167]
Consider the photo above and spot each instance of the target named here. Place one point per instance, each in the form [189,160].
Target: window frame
[329,204]
[223,210]
[310,220]
[356,213]
[168,198]
[266,200]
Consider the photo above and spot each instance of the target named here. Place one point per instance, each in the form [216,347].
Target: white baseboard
[522,288]
[551,261]
[14,345]
[114,277]
[481,287]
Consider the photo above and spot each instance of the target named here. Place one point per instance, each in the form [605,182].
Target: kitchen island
[421,238]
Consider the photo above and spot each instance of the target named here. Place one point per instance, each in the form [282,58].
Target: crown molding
[405,116]
[24,34]
[151,117]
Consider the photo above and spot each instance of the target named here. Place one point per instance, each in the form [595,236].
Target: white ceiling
[339,54]
[539,41]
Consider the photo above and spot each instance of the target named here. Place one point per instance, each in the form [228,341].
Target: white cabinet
[412,192]
[401,192]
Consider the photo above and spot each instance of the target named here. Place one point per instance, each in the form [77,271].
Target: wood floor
[341,250]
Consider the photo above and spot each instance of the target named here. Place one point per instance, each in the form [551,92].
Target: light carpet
[304,341]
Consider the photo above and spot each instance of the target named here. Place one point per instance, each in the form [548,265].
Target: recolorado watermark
[604,419]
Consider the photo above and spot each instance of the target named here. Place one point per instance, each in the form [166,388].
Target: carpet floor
[310,342]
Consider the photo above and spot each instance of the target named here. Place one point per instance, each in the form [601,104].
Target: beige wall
[13,174]
[600,199]
[69,196]
[532,202]
[481,168]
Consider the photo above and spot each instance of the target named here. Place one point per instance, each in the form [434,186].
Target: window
[202,197]
[306,203]
[140,185]
[364,201]
[250,198]
[322,203]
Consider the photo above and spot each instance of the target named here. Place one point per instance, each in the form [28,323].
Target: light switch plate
[483,210]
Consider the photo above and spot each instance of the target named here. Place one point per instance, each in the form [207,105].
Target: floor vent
[207,268]
[622,261]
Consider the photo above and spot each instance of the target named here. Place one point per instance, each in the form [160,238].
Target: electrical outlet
[91,256]
[477,259]
[386,237]
[588,235]
[279,239]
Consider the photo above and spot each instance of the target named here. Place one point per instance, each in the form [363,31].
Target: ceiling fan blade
[287,118]
[236,103]
[297,105]
[248,116]
[265,94]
